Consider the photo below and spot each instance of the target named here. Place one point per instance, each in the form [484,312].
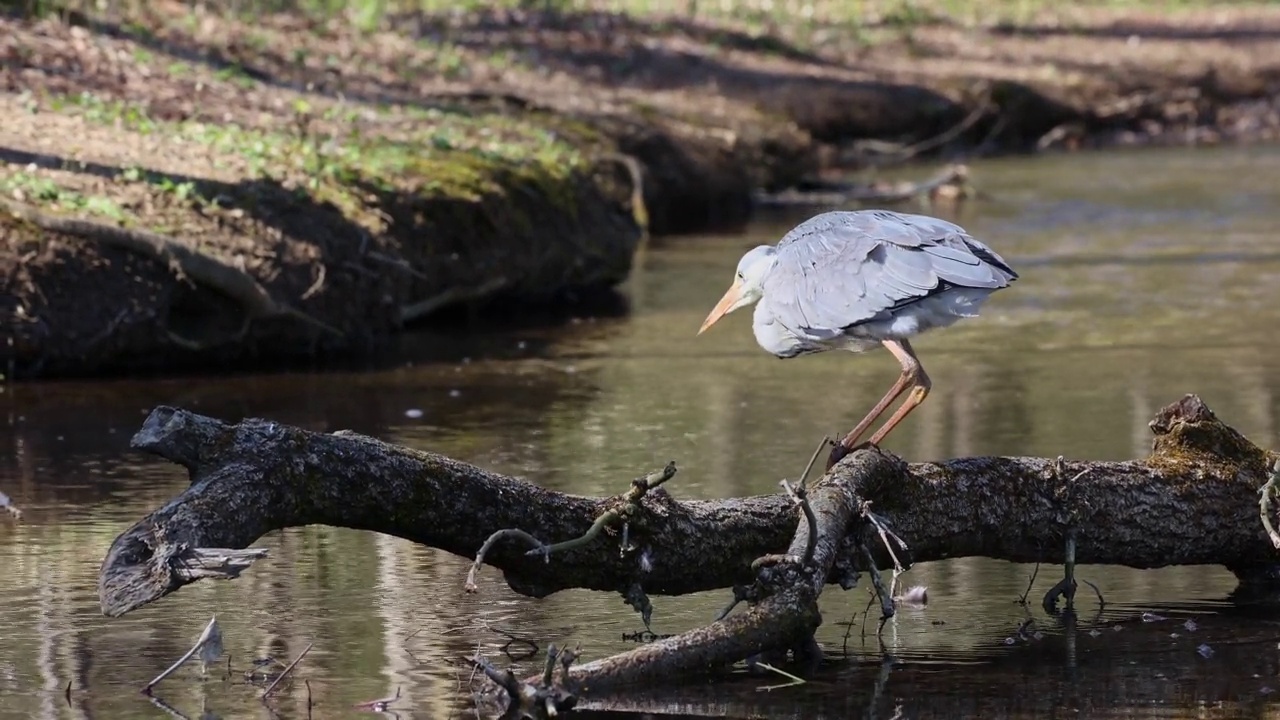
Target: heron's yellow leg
[913,377]
[919,381]
[903,382]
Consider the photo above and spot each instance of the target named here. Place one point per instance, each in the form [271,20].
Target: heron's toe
[838,453]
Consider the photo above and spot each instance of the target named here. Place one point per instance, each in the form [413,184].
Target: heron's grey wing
[842,269]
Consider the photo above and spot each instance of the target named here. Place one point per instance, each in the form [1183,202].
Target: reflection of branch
[210,641]
[842,193]
[379,705]
[272,687]
[167,708]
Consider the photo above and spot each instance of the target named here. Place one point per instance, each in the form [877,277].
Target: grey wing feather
[840,269]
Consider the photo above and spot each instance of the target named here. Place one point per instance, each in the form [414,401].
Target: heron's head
[748,284]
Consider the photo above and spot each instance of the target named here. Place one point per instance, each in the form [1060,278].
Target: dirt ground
[337,184]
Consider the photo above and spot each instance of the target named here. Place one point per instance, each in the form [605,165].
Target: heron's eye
[740,277]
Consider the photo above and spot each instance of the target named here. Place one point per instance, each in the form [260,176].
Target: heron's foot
[841,451]
[838,453]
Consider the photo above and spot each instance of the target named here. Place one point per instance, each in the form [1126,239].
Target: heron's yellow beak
[731,298]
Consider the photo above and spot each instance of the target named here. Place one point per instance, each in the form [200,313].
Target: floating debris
[455,393]
[1190,625]
[379,705]
[1152,617]
[413,413]
[1205,651]
[914,596]
[8,506]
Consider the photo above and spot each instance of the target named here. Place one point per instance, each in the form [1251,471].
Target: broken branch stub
[1193,501]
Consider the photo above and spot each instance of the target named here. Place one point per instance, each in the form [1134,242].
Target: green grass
[444,154]
[44,191]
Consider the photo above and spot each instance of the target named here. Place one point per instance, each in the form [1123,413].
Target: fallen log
[1194,500]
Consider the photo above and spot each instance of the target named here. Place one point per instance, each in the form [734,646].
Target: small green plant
[44,191]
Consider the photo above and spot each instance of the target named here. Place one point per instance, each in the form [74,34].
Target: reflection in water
[1144,276]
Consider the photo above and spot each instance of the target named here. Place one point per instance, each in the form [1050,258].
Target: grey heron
[855,280]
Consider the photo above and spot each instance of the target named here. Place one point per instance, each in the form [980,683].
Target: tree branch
[1193,501]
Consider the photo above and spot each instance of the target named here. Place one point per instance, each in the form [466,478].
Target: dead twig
[489,543]
[629,505]
[209,645]
[896,153]
[285,673]
[1034,572]
[1102,603]
[546,698]
[798,496]
[885,534]
[398,263]
[794,680]
[886,600]
[625,508]
[450,296]
[804,476]
[740,593]
[317,284]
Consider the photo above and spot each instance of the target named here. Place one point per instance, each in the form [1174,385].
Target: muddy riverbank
[283,189]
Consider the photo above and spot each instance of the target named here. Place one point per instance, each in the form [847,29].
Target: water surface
[1145,275]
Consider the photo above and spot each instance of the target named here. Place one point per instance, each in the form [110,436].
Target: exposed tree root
[184,261]
[450,296]
[1193,501]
